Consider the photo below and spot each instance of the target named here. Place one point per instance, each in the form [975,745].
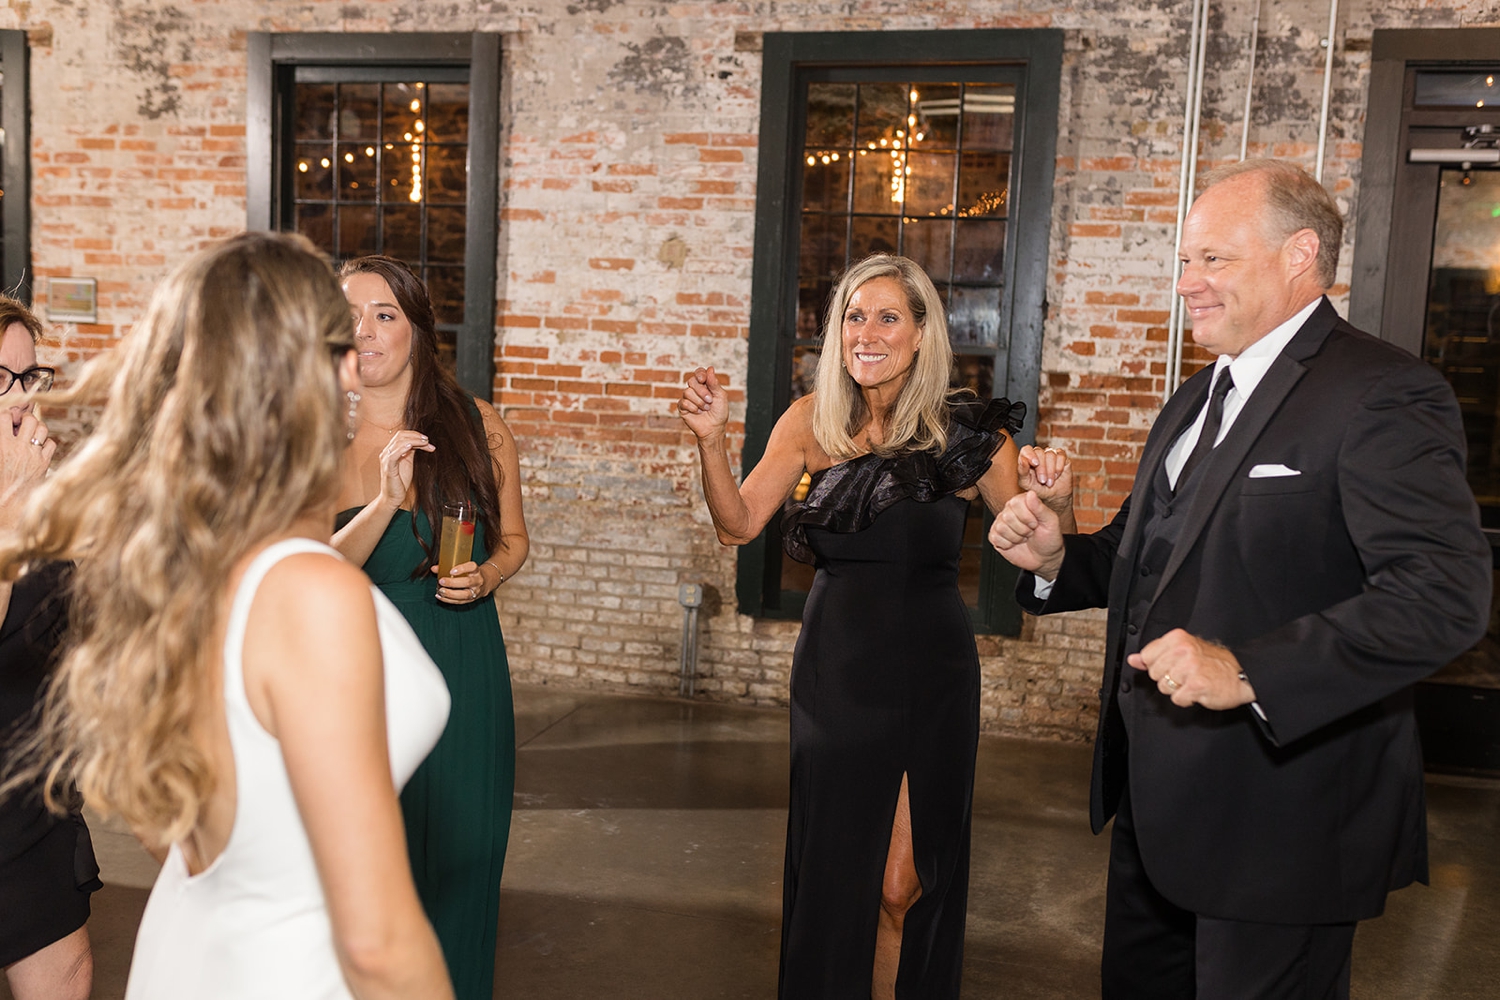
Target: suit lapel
[1175,417]
[1218,473]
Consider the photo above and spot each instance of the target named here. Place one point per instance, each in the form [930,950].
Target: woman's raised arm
[740,511]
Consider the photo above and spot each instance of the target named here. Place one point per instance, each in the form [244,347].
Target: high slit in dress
[885,683]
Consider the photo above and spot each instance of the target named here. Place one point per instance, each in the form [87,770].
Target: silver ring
[473,593]
[36,442]
[1171,683]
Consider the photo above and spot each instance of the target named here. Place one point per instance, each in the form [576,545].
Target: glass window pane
[822,258]
[446,170]
[356,165]
[983,184]
[445,235]
[1472,89]
[974,316]
[989,115]
[975,372]
[403,232]
[1460,340]
[872,235]
[357,231]
[929,183]
[979,252]
[805,370]
[882,113]
[830,116]
[312,173]
[401,109]
[314,111]
[447,108]
[825,181]
[446,286]
[875,181]
[316,223]
[936,107]
[929,242]
[397,179]
[359,111]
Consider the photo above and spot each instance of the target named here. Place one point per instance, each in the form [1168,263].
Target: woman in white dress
[233,688]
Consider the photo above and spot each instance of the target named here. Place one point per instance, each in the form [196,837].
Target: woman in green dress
[421,442]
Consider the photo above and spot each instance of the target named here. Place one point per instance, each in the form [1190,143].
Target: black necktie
[1209,436]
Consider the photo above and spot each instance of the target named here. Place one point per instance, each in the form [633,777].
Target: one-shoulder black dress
[885,682]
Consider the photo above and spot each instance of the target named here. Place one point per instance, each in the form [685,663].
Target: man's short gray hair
[1297,202]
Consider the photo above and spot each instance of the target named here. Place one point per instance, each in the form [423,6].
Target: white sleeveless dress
[254,924]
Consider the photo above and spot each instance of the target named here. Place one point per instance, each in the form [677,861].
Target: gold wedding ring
[1171,683]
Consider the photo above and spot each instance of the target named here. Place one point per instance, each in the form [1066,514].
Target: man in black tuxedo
[1299,548]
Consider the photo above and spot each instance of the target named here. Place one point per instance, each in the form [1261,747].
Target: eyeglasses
[32,379]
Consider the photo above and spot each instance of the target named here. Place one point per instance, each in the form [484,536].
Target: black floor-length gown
[885,682]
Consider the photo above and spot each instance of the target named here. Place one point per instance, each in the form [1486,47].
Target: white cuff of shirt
[1042,588]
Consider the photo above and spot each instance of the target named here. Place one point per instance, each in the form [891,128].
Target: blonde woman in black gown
[885,678]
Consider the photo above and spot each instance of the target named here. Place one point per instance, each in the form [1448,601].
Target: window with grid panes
[387,143]
[15,167]
[923,161]
[379,167]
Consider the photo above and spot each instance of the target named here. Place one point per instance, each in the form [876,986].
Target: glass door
[1455,207]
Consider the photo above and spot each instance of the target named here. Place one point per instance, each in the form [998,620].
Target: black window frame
[15,119]
[788,59]
[274,59]
[1397,200]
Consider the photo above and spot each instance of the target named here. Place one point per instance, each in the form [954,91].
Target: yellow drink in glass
[456,545]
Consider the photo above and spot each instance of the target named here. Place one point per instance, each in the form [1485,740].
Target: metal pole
[1333,17]
[690,596]
[1250,83]
[1197,51]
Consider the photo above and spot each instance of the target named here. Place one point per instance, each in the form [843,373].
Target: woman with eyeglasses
[47,868]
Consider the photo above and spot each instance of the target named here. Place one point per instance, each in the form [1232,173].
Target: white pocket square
[1272,471]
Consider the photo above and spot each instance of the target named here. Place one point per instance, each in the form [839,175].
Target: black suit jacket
[1337,590]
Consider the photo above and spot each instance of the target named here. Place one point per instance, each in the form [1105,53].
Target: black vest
[1159,535]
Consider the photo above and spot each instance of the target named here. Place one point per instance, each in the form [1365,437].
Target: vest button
[1131,629]
[1124,685]
[1166,512]
[1145,571]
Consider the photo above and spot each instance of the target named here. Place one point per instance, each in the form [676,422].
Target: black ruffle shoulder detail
[847,497]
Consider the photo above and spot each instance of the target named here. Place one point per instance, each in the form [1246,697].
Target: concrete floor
[645,861]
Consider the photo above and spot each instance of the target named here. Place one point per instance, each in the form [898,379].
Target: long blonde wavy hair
[224,422]
[919,419]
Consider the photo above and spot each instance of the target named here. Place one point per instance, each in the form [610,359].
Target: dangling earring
[352,423]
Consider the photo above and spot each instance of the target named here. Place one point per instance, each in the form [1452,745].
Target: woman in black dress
[47,868]
[885,678]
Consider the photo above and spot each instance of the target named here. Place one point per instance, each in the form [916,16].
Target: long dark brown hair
[437,406]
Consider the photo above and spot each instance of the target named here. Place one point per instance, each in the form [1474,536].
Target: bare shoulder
[308,590]
[495,428]
[799,416]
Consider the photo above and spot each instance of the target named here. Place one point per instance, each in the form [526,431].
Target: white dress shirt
[1247,369]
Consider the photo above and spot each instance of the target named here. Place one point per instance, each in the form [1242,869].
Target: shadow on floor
[646,848]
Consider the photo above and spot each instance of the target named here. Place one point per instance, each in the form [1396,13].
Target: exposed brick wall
[629,148]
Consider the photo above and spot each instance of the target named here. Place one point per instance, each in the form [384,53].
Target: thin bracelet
[491,562]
